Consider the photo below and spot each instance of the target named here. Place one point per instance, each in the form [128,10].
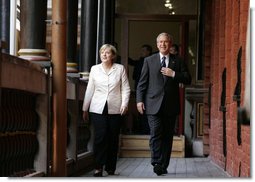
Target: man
[158,96]
[146,51]
[174,49]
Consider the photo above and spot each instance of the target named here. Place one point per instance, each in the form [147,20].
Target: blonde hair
[111,48]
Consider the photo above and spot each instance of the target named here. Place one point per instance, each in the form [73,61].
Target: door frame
[184,37]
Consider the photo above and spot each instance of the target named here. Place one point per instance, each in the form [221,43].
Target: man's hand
[85,116]
[140,107]
[167,72]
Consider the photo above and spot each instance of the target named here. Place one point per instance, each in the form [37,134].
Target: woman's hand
[123,110]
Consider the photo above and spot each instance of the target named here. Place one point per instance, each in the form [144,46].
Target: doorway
[133,31]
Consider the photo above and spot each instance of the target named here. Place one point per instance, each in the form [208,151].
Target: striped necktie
[163,62]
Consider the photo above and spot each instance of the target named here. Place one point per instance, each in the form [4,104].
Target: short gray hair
[170,37]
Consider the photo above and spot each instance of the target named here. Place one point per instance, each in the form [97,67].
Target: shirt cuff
[173,74]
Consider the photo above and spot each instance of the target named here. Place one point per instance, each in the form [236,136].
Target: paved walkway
[178,168]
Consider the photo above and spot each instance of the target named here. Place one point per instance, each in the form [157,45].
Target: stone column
[5,24]
[33,29]
[105,23]
[72,20]
[88,35]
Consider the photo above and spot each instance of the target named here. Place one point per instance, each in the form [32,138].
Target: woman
[106,99]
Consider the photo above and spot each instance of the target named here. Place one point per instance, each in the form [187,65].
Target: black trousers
[106,141]
[161,138]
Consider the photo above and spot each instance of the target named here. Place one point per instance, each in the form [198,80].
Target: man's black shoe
[164,171]
[158,169]
[110,172]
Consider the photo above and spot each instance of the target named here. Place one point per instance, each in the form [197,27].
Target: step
[143,153]
[138,146]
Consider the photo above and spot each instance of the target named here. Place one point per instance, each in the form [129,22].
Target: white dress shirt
[166,60]
[112,87]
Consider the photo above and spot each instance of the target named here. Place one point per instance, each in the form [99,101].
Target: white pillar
[13,15]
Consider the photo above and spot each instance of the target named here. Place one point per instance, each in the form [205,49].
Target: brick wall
[225,33]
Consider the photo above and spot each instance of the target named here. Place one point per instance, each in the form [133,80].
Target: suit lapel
[158,64]
[172,62]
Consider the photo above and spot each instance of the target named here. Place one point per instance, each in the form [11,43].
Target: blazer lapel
[112,69]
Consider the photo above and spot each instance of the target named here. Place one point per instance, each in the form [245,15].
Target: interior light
[167,5]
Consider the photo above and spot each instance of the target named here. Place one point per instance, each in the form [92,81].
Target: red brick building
[225,32]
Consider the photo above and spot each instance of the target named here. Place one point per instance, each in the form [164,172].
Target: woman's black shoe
[98,174]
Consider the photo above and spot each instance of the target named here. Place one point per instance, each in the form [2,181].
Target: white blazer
[112,87]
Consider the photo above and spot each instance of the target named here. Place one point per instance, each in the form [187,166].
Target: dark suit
[161,100]
[138,65]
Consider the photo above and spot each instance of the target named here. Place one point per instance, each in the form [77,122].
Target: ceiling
[181,7]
